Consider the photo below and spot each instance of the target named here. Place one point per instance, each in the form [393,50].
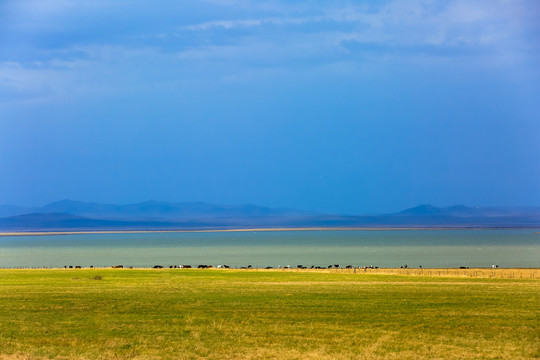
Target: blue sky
[337,106]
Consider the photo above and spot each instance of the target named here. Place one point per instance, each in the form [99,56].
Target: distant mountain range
[69,215]
[151,210]
[465,211]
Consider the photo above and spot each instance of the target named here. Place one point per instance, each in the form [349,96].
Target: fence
[486,273]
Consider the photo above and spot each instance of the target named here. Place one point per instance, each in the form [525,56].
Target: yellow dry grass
[268,314]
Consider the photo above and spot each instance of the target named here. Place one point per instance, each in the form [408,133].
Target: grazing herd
[78,266]
[204,266]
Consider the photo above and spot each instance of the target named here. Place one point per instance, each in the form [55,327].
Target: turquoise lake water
[427,248]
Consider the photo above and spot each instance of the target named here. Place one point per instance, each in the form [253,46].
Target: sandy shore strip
[45,233]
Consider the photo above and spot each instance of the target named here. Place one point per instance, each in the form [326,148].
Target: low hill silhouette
[155,215]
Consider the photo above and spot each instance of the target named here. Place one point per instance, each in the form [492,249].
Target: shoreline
[83,232]
[514,273]
[291,269]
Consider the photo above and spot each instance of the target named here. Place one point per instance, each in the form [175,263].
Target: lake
[385,248]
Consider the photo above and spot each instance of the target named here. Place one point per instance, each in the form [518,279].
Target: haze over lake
[427,248]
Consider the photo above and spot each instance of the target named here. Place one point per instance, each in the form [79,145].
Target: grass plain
[243,314]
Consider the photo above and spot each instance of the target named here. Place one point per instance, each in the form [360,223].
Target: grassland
[235,314]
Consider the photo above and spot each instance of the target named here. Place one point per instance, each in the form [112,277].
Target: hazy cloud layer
[64,39]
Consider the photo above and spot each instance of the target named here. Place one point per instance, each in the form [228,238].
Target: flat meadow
[249,314]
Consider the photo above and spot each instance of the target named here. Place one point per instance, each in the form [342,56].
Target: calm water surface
[429,248]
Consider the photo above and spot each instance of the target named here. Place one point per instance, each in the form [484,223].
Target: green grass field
[235,314]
